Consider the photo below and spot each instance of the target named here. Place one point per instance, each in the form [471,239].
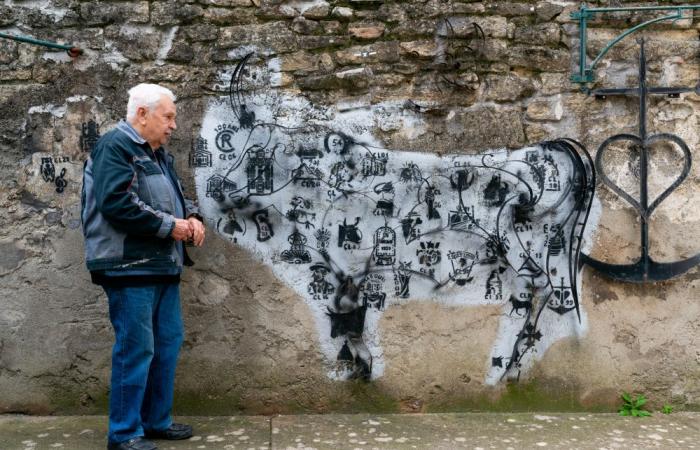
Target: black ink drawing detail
[300,212]
[384,246]
[265,231]
[232,226]
[409,227]
[224,138]
[259,171]
[349,236]
[323,237]
[562,299]
[48,170]
[320,288]
[410,173]
[524,303]
[495,192]
[89,135]
[402,278]
[372,289]
[60,181]
[374,165]
[555,240]
[429,256]
[199,155]
[336,143]
[219,186]
[494,285]
[462,264]
[430,193]
[297,253]
[307,174]
[385,204]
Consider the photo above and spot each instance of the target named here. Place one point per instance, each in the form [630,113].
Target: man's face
[158,123]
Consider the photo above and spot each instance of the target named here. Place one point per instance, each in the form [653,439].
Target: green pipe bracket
[72,51]
[585,73]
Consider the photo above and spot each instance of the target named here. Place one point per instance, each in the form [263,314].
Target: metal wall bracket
[645,269]
[72,51]
[585,73]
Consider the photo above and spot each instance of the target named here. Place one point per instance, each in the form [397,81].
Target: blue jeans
[148,333]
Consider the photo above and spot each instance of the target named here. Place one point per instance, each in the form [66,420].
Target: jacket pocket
[139,247]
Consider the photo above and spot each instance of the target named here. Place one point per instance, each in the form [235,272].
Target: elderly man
[135,220]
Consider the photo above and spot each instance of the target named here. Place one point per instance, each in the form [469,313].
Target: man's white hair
[146,95]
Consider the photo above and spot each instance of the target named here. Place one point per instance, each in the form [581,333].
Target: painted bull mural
[354,227]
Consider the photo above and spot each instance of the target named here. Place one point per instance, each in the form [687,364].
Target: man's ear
[141,113]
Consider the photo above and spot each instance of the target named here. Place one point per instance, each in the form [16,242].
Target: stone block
[319,10]
[495,50]
[510,9]
[463,27]
[507,87]
[276,12]
[300,60]
[227,3]
[386,52]
[545,109]
[15,75]
[392,13]
[226,16]
[358,78]
[420,49]
[539,58]
[180,52]
[7,15]
[343,13]
[366,30]
[538,132]
[474,128]
[8,51]
[304,26]
[554,83]
[543,34]
[103,13]
[86,38]
[412,29]
[165,13]
[135,42]
[468,8]
[405,68]
[547,11]
[331,27]
[273,37]
[201,32]
[314,42]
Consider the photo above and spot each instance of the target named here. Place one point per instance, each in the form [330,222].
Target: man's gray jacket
[130,199]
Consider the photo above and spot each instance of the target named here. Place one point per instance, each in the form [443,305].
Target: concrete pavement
[368,431]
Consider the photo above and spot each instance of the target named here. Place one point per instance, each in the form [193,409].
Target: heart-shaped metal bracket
[644,269]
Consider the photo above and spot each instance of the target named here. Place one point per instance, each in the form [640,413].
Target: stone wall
[440,76]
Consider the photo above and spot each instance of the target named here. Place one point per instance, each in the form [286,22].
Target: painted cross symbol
[645,269]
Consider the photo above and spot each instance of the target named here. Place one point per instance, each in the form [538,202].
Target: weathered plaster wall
[252,344]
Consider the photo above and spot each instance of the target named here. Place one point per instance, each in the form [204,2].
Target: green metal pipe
[585,72]
[627,33]
[641,8]
[72,51]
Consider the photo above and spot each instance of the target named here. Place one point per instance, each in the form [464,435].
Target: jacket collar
[126,128]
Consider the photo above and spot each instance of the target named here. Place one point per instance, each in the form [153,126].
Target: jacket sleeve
[113,175]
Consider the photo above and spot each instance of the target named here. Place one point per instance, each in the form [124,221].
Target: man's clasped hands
[191,229]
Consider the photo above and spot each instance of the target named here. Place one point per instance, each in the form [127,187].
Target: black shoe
[174,432]
[137,443]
